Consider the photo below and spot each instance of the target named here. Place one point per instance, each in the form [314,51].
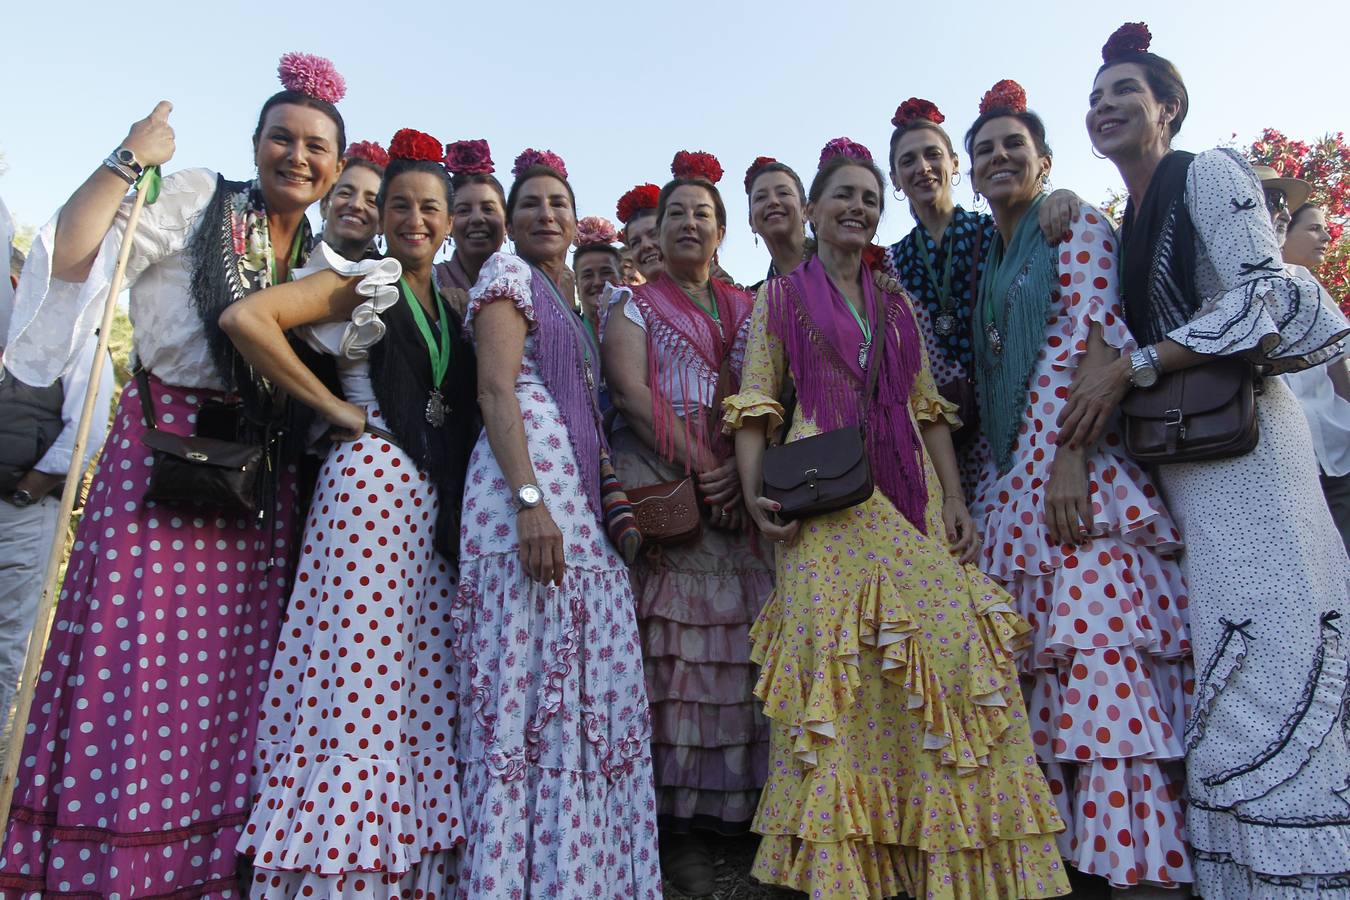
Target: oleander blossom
[1127,40]
[1006,94]
[370,151]
[311,75]
[754,170]
[917,109]
[469,158]
[595,230]
[408,143]
[644,196]
[842,146]
[546,158]
[696,164]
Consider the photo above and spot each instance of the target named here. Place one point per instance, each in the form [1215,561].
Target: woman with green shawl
[1079,537]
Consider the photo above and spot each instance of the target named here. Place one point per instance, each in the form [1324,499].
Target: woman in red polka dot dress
[357,790]
[1079,536]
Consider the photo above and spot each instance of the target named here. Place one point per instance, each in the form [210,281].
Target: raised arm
[89,212]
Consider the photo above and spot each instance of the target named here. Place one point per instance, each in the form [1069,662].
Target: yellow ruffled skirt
[901,760]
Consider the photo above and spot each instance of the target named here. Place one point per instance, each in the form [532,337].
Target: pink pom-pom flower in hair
[842,146]
[370,151]
[312,75]
[469,158]
[1007,94]
[1128,39]
[546,158]
[595,230]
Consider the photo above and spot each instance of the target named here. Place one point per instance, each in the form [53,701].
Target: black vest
[30,420]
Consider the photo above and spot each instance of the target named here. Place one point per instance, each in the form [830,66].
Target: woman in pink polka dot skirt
[553,737]
[357,790]
[135,770]
[1079,536]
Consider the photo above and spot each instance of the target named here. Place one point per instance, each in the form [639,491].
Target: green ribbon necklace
[711,309]
[945,322]
[437,350]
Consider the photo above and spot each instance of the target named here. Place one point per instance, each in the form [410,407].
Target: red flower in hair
[697,164]
[312,75]
[409,143]
[370,151]
[759,163]
[1130,38]
[469,158]
[1007,94]
[644,196]
[915,109]
[874,257]
[546,158]
[842,146]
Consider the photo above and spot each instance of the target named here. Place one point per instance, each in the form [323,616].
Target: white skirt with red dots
[356,787]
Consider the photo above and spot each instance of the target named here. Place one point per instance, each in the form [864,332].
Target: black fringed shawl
[1158,255]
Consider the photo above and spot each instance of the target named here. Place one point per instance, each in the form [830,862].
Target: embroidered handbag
[826,472]
[199,470]
[667,513]
[1204,412]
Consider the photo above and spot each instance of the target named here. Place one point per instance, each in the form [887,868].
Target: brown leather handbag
[1204,412]
[667,513]
[826,472]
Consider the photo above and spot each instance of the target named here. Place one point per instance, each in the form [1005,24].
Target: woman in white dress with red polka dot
[357,788]
[1079,536]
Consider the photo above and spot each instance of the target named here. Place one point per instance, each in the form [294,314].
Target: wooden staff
[37,640]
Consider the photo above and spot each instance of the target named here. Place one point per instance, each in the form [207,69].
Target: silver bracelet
[1153,357]
[120,170]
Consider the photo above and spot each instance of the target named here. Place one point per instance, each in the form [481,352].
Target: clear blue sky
[617,88]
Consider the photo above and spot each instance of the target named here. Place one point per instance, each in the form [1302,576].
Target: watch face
[1146,377]
[125,156]
[530,495]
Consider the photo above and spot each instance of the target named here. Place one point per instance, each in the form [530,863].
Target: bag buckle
[811,482]
[197,456]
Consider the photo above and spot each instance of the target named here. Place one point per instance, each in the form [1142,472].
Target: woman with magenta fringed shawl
[900,754]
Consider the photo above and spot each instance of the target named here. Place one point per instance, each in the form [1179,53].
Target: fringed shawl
[807,314]
[1158,254]
[569,360]
[1015,293]
[685,352]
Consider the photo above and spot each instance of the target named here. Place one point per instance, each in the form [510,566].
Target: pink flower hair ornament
[1127,40]
[595,230]
[1006,94]
[546,158]
[696,164]
[842,146]
[469,158]
[370,151]
[917,109]
[311,75]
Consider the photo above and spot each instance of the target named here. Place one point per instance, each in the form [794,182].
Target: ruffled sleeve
[378,288]
[924,399]
[504,276]
[1089,285]
[1254,307]
[53,318]
[761,373]
[620,298]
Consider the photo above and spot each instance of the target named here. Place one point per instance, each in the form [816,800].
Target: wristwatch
[22,498]
[528,496]
[1144,368]
[127,157]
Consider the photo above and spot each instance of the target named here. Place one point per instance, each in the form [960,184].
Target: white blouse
[53,318]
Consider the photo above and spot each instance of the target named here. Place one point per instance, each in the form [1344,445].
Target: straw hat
[1296,190]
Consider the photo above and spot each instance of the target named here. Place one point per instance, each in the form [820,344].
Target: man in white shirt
[37,438]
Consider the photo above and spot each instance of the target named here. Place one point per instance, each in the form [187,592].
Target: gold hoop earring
[956,178]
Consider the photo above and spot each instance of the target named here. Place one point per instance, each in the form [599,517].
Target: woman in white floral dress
[554,724]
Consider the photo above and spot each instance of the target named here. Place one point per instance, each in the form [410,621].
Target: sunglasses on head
[1276,201]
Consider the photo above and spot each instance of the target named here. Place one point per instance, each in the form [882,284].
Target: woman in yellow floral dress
[901,760]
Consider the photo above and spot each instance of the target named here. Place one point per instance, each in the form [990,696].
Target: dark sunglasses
[1276,201]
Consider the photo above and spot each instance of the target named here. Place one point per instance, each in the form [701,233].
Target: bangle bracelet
[119,170]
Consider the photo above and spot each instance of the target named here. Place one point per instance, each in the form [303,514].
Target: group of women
[451,682]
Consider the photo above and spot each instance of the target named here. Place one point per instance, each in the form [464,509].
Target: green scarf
[1014,297]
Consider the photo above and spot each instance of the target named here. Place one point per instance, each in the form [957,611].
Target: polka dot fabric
[1108,679]
[134,780]
[554,727]
[900,754]
[358,792]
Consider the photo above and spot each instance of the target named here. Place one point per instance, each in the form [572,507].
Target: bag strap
[143,392]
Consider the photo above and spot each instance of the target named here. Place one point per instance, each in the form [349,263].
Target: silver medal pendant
[994,338]
[944,324]
[863,350]
[435,409]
